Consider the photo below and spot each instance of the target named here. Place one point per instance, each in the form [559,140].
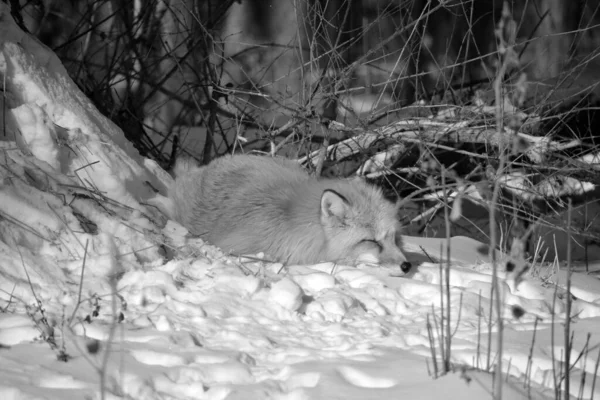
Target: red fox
[248,204]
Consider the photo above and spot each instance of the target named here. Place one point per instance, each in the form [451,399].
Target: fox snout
[388,258]
[405,266]
[397,258]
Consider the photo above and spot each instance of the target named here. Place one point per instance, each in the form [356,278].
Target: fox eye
[372,241]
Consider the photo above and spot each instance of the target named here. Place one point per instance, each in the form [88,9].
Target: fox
[247,204]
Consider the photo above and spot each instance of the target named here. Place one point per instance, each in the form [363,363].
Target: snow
[90,271]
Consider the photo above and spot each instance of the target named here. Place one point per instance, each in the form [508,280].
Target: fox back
[249,204]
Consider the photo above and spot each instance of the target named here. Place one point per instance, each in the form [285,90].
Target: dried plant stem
[432,347]
[498,382]
[442,313]
[554,375]
[567,335]
[448,353]
[527,382]
[80,284]
[595,375]
[479,314]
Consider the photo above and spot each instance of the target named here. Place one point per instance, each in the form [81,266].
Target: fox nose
[405,266]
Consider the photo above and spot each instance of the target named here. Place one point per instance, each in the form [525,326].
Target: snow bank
[51,118]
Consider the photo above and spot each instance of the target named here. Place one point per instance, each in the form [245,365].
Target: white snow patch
[356,377]
[287,294]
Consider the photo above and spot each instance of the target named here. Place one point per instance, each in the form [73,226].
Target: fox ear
[334,206]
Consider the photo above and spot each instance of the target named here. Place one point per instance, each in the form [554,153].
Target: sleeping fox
[248,204]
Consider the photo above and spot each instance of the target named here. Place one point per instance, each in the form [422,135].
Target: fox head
[361,225]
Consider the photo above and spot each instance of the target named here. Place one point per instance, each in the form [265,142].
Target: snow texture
[99,298]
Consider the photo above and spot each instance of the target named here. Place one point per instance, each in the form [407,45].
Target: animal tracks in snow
[205,338]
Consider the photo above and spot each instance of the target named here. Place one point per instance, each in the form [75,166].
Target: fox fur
[248,204]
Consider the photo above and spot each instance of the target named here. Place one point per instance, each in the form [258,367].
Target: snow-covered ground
[101,297]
